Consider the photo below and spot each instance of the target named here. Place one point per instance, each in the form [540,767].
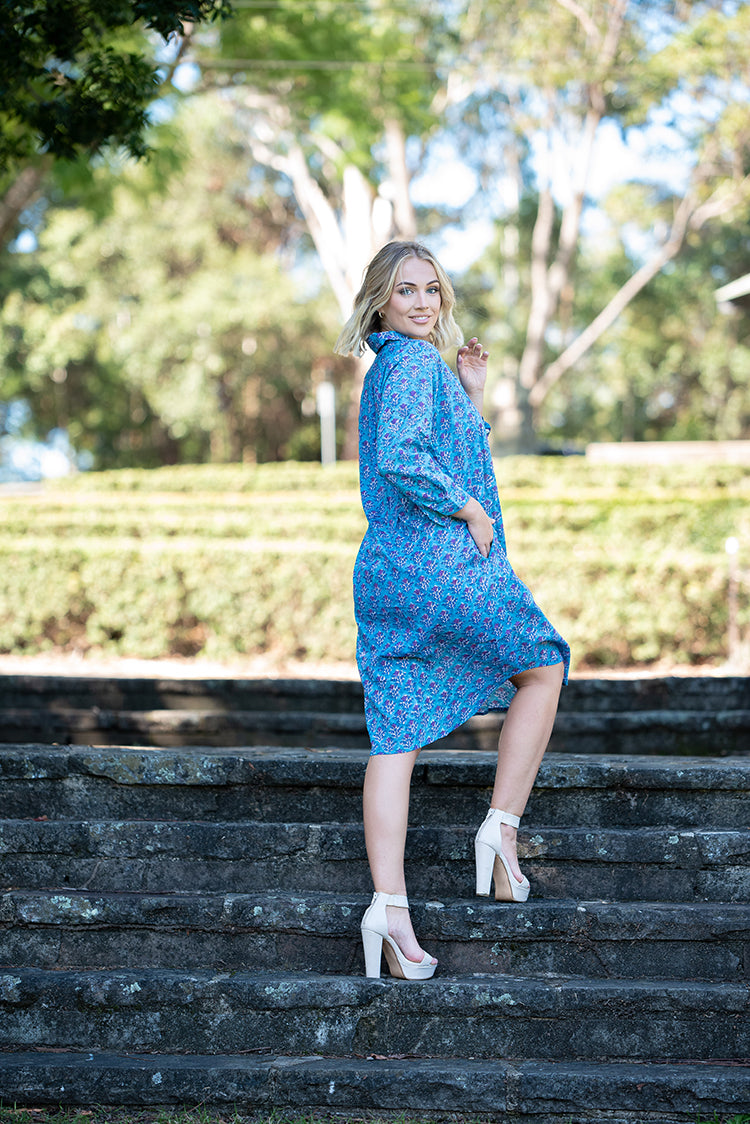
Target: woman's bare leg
[385,803]
[523,740]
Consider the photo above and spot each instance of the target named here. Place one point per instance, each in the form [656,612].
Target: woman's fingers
[483,533]
[472,363]
[474,348]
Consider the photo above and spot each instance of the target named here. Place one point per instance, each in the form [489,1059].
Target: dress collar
[377,340]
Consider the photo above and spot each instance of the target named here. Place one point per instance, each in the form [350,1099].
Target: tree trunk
[21,193]
[350,449]
[507,392]
[396,219]
[347,221]
[551,271]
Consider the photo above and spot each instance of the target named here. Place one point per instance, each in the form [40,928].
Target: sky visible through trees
[582,167]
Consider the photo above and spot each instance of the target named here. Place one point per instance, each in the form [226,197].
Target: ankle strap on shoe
[505,817]
[392,899]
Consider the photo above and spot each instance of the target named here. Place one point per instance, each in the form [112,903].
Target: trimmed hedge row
[164,600]
[172,564]
[620,523]
[552,475]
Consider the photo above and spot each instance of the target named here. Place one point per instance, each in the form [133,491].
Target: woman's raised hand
[471,361]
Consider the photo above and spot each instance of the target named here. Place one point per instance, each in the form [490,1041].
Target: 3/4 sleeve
[406,453]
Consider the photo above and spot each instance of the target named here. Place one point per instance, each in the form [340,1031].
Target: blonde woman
[445,628]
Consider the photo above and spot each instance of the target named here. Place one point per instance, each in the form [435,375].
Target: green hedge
[550,474]
[222,561]
[212,599]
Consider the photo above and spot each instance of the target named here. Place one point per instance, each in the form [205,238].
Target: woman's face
[414,304]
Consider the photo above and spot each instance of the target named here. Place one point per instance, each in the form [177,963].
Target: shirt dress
[440,628]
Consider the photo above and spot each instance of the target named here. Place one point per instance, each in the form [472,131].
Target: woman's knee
[550,676]
[392,767]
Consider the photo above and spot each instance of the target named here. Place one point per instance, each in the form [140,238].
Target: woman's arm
[404,446]
[405,454]
[471,361]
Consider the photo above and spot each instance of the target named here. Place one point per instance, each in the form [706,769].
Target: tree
[671,367]
[77,76]
[170,330]
[524,89]
[327,105]
[338,113]
[549,76]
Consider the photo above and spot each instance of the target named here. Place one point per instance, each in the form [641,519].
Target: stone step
[631,1004]
[685,732]
[146,693]
[317,785]
[623,864]
[712,694]
[276,931]
[478,1017]
[532,1092]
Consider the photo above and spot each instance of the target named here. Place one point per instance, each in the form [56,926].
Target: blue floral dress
[441,629]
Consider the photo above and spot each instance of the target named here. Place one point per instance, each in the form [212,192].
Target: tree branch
[688,216]
[616,305]
[719,204]
[399,180]
[21,193]
[583,18]
[615,23]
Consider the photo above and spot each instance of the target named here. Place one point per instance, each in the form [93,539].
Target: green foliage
[673,367]
[75,76]
[166,331]
[205,1115]
[343,77]
[225,561]
[740,1118]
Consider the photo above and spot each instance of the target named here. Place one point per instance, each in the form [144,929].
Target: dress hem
[470,711]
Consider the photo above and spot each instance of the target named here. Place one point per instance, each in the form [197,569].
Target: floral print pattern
[441,629]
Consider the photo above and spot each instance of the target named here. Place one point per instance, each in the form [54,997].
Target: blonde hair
[380,277]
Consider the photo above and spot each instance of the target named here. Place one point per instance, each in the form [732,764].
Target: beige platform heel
[376,940]
[488,853]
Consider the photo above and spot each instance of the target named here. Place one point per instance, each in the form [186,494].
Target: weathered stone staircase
[690,715]
[181,925]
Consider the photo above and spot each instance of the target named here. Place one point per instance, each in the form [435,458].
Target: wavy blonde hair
[380,277]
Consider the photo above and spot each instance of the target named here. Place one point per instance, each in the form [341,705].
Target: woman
[445,628]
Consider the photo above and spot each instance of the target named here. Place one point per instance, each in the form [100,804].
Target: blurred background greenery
[188,196]
[582,167]
[218,561]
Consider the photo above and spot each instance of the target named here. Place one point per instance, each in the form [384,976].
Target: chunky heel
[372,943]
[490,860]
[484,857]
[376,939]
